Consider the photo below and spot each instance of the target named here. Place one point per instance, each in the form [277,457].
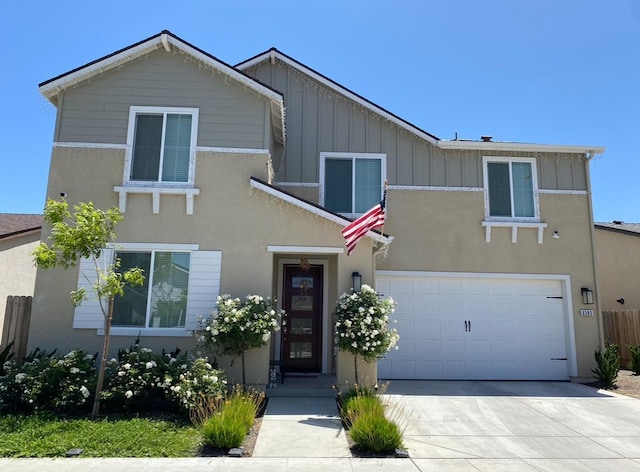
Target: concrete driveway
[477,425]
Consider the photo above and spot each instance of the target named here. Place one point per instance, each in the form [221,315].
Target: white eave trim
[313,209]
[161,41]
[338,89]
[525,147]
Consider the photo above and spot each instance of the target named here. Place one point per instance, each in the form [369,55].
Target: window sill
[514,225]
[159,332]
[155,192]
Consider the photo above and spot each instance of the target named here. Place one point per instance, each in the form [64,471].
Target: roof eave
[524,147]
[273,53]
[316,210]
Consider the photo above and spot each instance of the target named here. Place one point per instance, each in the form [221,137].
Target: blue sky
[543,71]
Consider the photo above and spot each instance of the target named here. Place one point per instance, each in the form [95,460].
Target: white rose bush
[138,380]
[239,325]
[363,325]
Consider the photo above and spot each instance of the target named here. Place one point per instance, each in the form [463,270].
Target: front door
[302,334]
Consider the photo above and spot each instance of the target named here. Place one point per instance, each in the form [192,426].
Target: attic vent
[617,222]
[486,138]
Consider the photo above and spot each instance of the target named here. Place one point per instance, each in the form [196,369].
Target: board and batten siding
[98,112]
[320,120]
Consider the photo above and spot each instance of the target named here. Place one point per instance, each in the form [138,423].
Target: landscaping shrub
[634,363]
[137,381]
[608,364]
[374,432]
[48,382]
[357,406]
[225,423]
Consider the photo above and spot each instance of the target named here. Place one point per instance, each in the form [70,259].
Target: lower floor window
[162,301]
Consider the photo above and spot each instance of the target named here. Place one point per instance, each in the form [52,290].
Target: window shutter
[89,315]
[204,285]
[177,147]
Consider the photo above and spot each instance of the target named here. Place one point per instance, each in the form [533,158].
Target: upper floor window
[511,187]
[161,145]
[162,301]
[351,183]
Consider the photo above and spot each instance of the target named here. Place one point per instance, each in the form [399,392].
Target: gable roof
[166,40]
[15,224]
[313,208]
[273,54]
[620,227]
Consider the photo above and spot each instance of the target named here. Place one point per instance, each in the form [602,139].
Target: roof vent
[616,222]
[486,138]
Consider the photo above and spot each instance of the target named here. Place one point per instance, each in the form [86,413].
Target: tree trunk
[103,361]
[355,367]
[244,381]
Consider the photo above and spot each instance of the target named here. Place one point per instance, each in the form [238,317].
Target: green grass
[48,436]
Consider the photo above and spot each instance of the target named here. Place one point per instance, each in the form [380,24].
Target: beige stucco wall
[229,216]
[17,272]
[445,235]
[618,263]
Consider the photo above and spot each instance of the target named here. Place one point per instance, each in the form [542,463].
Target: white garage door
[476,327]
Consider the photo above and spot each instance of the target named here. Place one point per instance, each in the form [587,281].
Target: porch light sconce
[620,301]
[556,235]
[356,280]
[587,296]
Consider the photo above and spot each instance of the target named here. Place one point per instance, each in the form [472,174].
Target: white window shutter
[204,285]
[89,315]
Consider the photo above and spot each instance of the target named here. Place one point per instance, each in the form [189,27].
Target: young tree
[84,235]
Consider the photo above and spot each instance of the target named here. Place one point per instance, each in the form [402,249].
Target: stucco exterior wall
[618,258]
[229,216]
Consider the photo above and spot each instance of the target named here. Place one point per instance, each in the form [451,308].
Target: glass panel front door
[301,336]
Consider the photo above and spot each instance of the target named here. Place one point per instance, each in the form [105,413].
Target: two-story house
[239,179]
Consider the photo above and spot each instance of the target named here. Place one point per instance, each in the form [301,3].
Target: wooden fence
[16,325]
[623,329]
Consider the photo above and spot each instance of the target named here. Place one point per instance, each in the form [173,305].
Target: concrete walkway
[301,427]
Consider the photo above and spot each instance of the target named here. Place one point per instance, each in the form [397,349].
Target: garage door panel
[515,328]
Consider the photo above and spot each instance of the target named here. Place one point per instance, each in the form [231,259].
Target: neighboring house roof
[313,208]
[620,227]
[165,39]
[14,224]
[486,145]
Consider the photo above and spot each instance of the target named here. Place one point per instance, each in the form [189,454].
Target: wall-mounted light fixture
[556,235]
[620,301]
[356,280]
[587,296]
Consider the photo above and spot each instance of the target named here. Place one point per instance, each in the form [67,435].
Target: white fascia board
[51,89]
[338,89]
[315,210]
[525,147]
[234,74]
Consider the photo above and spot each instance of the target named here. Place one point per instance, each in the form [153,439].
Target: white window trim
[204,287]
[351,155]
[133,112]
[534,175]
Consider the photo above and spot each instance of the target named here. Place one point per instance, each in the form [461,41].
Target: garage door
[476,327]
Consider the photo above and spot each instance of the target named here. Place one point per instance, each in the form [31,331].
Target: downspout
[589,156]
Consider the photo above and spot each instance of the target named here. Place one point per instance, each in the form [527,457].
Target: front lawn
[49,436]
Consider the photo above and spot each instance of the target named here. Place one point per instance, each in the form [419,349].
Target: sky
[544,71]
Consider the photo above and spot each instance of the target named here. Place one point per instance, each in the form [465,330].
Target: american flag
[374,218]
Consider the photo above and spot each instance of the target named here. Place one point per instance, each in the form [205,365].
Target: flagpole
[384,199]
